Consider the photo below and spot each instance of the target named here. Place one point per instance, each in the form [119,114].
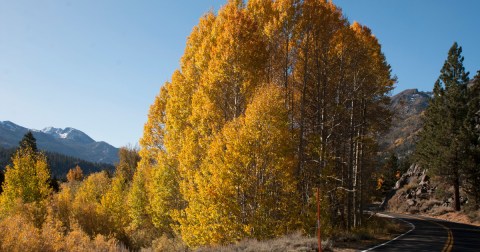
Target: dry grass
[466,216]
[292,242]
[441,210]
[429,205]
[397,202]
[474,217]
[375,231]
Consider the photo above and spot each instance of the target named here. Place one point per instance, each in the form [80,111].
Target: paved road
[427,234]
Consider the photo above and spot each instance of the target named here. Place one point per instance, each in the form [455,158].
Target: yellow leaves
[26,179]
[153,131]
[75,174]
[86,205]
[218,151]
[137,200]
[244,178]
[113,204]
[164,196]
[380,181]
[18,234]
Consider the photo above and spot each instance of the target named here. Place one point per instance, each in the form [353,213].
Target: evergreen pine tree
[390,169]
[442,144]
[472,134]
[28,140]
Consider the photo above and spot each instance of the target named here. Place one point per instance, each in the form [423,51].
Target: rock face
[414,172]
[416,192]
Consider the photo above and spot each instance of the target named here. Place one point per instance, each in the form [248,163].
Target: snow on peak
[67,133]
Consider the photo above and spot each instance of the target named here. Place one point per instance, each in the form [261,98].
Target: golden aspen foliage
[75,174]
[26,179]
[18,234]
[165,197]
[137,200]
[271,100]
[247,186]
[153,132]
[224,156]
[86,206]
[113,206]
[129,159]
[140,230]
[62,204]
[53,232]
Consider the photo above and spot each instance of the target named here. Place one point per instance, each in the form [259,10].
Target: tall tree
[27,179]
[388,174]
[247,187]
[333,79]
[472,134]
[86,206]
[442,143]
[128,162]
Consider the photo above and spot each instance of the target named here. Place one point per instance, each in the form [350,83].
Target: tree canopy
[272,99]
[27,179]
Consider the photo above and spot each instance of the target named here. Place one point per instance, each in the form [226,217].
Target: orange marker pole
[318,221]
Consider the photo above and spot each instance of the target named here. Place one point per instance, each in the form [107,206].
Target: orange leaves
[75,174]
[246,173]
[26,180]
[223,133]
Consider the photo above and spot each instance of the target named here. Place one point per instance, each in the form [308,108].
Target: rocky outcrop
[415,192]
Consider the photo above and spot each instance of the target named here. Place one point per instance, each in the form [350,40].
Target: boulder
[419,191]
[424,179]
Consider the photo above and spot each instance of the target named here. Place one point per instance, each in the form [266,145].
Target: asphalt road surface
[427,234]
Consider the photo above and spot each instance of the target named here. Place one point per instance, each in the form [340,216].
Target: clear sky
[96,65]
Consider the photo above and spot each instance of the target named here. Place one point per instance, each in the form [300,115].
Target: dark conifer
[472,134]
[28,140]
[442,144]
[54,184]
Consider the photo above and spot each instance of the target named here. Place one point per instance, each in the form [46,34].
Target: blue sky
[97,65]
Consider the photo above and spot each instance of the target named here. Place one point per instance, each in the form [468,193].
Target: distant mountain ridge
[408,108]
[68,141]
[59,164]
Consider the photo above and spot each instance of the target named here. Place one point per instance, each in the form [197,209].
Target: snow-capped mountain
[68,141]
[68,133]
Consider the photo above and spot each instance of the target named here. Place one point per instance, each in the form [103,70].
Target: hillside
[408,107]
[59,164]
[68,141]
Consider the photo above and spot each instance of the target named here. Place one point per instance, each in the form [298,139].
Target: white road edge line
[396,238]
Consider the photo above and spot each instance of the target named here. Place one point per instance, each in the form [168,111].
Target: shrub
[19,234]
[441,210]
[165,243]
